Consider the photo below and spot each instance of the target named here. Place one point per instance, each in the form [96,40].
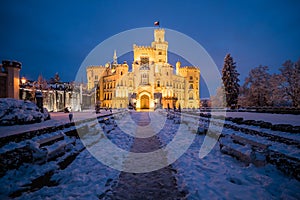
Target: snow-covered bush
[13,111]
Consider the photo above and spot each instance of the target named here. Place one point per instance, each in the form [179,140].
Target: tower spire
[115,57]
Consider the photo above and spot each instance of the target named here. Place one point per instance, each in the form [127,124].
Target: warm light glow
[23,80]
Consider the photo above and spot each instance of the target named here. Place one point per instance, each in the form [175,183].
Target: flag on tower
[156,23]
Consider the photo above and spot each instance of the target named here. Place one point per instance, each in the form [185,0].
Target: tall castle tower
[160,45]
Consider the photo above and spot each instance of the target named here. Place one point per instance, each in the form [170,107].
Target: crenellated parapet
[142,48]
[95,66]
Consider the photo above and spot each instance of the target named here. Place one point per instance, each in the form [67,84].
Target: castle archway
[145,102]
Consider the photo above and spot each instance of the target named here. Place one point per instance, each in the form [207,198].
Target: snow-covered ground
[219,176]
[216,176]
[57,119]
[267,117]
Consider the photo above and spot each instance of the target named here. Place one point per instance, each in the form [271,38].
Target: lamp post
[23,81]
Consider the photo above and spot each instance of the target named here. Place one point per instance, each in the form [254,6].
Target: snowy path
[159,184]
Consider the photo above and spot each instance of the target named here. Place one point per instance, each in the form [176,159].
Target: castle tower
[160,45]
[159,35]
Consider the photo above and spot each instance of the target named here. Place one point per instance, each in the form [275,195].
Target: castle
[151,83]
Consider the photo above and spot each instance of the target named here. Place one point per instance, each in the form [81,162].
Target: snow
[216,176]
[290,150]
[57,119]
[267,117]
[85,178]
[13,111]
[219,176]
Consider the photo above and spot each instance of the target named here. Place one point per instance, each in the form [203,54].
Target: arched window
[145,79]
[191,86]
[121,73]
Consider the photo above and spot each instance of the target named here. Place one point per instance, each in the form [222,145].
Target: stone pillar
[13,78]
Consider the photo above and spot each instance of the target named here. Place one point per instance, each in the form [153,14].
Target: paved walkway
[159,184]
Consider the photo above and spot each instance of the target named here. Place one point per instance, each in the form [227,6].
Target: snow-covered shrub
[13,111]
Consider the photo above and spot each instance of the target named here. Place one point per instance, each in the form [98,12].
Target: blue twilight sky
[56,36]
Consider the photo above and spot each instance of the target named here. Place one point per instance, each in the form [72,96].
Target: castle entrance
[144,102]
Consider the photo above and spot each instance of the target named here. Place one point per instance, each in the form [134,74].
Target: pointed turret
[115,57]
[177,67]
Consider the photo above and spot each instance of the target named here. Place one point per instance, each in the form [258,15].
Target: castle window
[191,78]
[167,73]
[144,60]
[158,83]
[159,53]
[160,60]
[121,73]
[191,86]
[145,79]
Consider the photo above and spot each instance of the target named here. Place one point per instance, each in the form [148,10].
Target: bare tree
[290,74]
[276,91]
[219,100]
[256,88]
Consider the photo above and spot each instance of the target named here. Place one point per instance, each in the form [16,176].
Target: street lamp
[23,80]
[21,88]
